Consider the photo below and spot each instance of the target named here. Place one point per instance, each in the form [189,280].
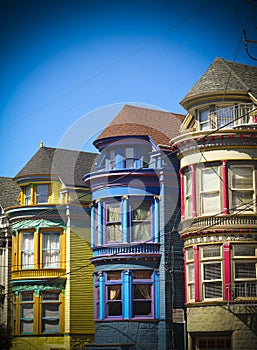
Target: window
[245,270]
[210,191]
[142,293]
[26,312]
[50,312]
[113,294]
[14,312]
[129,157]
[141,220]
[27,250]
[242,187]
[211,272]
[213,343]
[113,222]
[188,194]
[204,119]
[27,195]
[42,193]
[190,274]
[51,249]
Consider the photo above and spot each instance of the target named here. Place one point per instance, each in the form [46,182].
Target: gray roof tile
[9,192]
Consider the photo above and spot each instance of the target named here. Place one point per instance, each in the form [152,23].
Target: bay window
[27,250]
[210,191]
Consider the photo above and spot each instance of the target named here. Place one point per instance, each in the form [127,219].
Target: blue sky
[68,67]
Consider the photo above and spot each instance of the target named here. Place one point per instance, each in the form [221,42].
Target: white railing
[244,292]
[229,117]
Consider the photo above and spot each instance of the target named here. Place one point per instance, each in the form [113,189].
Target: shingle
[224,76]
[9,192]
[136,121]
[69,165]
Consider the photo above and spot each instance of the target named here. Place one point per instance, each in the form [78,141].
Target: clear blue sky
[67,67]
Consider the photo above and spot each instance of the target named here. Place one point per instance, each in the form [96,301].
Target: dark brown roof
[70,166]
[136,121]
[9,192]
[225,76]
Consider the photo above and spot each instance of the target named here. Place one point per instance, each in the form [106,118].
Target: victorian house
[217,148]
[51,275]
[137,253]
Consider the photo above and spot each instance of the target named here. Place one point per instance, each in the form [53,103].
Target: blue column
[101,296]
[100,222]
[126,294]
[124,218]
[93,243]
[156,221]
[156,280]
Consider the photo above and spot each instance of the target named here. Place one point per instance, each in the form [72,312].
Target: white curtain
[141,221]
[51,249]
[27,250]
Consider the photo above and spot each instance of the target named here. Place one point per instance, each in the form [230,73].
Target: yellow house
[51,274]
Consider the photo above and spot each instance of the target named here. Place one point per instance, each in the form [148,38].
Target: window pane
[115,275]
[50,296]
[142,291]
[213,290]
[212,271]
[142,308]
[51,249]
[51,326]
[26,326]
[245,250]
[190,254]
[243,200]
[210,252]
[27,253]
[141,230]
[210,179]
[26,296]
[114,309]
[114,292]
[50,310]
[210,203]
[114,233]
[245,270]
[145,275]
[42,193]
[242,178]
[27,311]
[191,273]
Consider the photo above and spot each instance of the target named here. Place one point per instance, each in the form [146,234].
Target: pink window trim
[182,194]
[197,275]
[185,275]
[224,187]
[227,268]
[193,191]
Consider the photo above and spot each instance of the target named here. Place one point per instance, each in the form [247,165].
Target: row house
[52,305]
[137,252]
[217,149]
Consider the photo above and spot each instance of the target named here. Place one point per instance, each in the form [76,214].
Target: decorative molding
[37,288]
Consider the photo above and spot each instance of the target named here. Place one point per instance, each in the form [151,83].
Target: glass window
[27,250]
[142,293]
[26,312]
[141,220]
[242,187]
[42,193]
[50,312]
[129,157]
[51,249]
[204,119]
[113,222]
[212,284]
[27,195]
[190,274]
[210,191]
[113,294]
[188,194]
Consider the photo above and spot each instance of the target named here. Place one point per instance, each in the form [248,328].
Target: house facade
[217,148]
[52,305]
[137,252]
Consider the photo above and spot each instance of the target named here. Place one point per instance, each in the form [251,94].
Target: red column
[224,187]
[182,194]
[197,273]
[193,191]
[227,268]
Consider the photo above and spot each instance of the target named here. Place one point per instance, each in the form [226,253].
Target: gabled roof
[136,121]
[70,166]
[225,76]
[9,192]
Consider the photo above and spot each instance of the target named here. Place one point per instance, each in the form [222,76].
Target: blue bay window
[129,294]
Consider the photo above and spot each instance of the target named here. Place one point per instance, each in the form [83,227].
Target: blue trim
[124,220]
[156,221]
[101,296]
[156,283]
[126,295]
[92,226]
[100,222]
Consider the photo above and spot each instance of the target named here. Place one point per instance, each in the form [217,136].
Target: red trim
[224,187]
[227,277]
[185,275]
[197,274]
[193,191]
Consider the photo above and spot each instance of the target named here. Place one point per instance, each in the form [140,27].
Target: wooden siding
[81,286]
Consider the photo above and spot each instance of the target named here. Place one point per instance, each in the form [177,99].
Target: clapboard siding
[81,286]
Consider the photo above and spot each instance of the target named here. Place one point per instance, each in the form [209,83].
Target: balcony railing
[140,248]
[38,273]
[244,292]
[233,116]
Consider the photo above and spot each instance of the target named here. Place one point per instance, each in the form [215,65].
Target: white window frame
[209,191]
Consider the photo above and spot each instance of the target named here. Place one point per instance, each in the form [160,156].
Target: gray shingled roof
[69,165]
[9,192]
[136,121]
[225,76]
